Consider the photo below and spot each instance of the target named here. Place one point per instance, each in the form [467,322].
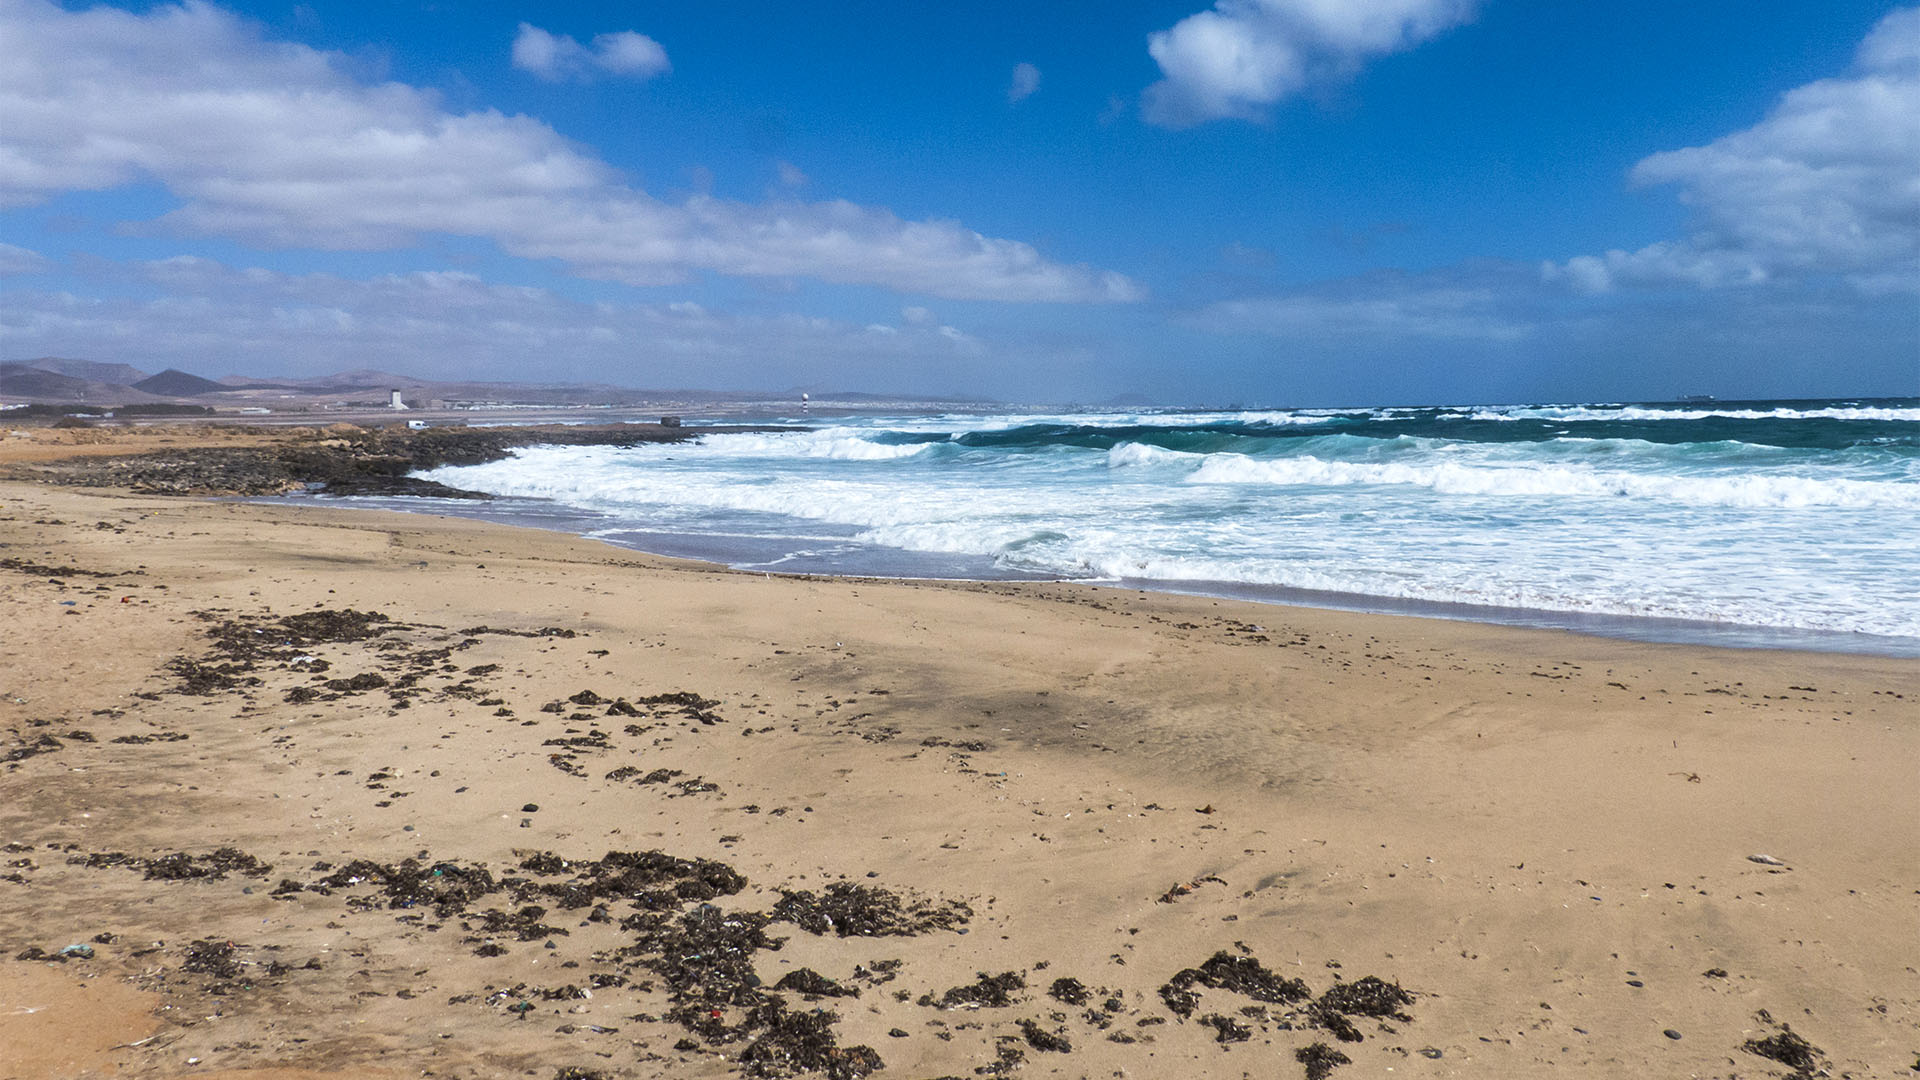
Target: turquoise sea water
[1798,517]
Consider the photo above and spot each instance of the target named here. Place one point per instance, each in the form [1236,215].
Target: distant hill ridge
[176,383]
[56,380]
[91,370]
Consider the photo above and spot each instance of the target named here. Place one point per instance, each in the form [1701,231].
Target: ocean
[1760,523]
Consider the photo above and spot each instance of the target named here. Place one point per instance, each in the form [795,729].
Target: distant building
[394,402]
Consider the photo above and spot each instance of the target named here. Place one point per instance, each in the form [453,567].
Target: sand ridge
[1543,838]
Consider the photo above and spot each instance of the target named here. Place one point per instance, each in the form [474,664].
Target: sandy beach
[1000,829]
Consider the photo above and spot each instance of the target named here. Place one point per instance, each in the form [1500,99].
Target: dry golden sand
[1543,836]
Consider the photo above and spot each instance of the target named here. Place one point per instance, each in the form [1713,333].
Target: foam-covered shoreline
[1807,533]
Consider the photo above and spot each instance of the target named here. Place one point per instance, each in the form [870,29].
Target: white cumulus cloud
[275,143]
[555,57]
[1240,56]
[1827,183]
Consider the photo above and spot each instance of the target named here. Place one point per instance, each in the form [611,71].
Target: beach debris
[181,866]
[1239,974]
[77,952]
[1320,1060]
[215,958]
[1786,1047]
[1226,1028]
[1068,991]
[1040,1038]
[1765,860]
[1181,889]
[1367,996]
[43,744]
[810,983]
[845,909]
[988,991]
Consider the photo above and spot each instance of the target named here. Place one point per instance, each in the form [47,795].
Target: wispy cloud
[1238,57]
[1025,80]
[557,57]
[212,318]
[1368,311]
[15,261]
[1828,182]
[274,143]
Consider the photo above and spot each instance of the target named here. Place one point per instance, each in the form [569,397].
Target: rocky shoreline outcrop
[341,459]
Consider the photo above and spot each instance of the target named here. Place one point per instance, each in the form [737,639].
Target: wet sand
[1217,818]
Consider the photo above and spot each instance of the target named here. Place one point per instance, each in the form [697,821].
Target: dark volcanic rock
[339,460]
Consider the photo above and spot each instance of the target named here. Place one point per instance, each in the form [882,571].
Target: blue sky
[1264,201]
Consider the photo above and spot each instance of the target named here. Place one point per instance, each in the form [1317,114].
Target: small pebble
[1671,1034]
[1635,982]
[530,808]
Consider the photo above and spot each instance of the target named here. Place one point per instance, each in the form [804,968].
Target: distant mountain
[243,382]
[25,382]
[91,370]
[176,383]
[362,378]
[20,380]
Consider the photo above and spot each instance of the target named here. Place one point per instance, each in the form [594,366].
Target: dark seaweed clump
[181,866]
[446,887]
[796,1042]
[651,880]
[988,991]
[240,646]
[1226,1029]
[1320,1060]
[811,983]
[1788,1048]
[1240,974]
[215,958]
[1368,996]
[45,744]
[1068,991]
[1041,1039]
[848,910]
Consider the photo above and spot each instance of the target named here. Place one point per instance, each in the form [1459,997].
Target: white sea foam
[1548,480]
[828,443]
[1640,413]
[1124,454]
